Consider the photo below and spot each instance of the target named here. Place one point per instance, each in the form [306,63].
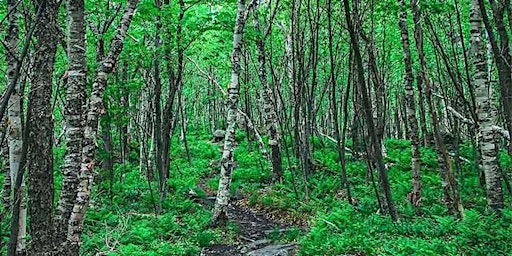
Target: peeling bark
[486,111]
[220,212]
[74,116]
[95,109]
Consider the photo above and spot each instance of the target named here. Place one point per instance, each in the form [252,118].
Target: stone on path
[273,250]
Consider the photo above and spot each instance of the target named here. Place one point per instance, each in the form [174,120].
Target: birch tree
[94,110]
[220,212]
[269,106]
[415,195]
[487,112]
[74,116]
[14,113]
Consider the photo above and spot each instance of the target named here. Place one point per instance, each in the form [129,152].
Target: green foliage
[128,225]
[346,231]
[340,228]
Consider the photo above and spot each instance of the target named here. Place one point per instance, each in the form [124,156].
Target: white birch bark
[95,109]
[486,111]
[415,196]
[74,116]
[14,119]
[227,162]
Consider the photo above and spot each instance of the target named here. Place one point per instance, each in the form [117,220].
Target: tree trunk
[14,121]
[340,142]
[415,196]
[41,129]
[487,114]
[269,105]
[227,162]
[376,149]
[95,108]
[502,56]
[449,183]
[74,117]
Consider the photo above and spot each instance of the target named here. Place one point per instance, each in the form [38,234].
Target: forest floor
[258,233]
[278,217]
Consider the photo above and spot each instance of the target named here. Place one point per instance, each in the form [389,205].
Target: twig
[330,224]
[460,116]
[348,150]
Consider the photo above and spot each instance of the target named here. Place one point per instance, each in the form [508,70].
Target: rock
[273,250]
[219,135]
[254,245]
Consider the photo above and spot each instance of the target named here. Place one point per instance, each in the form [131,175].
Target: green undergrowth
[124,222]
[122,217]
[340,228]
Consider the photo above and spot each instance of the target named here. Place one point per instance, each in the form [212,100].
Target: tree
[40,127]
[487,114]
[451,193]
[14,122]
[374,144]
[415,195]
[269,106]
[74,115]
[220,212]
[502,55]
[94,109]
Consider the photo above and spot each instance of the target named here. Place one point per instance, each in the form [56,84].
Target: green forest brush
[124,223]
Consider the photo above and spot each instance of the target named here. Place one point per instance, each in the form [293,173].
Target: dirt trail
[254,230]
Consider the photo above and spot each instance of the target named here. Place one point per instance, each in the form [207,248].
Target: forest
[255,127]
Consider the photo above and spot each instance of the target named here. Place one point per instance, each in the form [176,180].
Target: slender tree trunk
[269,105]
[157,144]
[415,196]
[449,183]
[123,128]
[107,164]
[487,114]
[334,106]
[227,162]
[377,150]
[74,117]
[14,121]
[423,111]
[95,108]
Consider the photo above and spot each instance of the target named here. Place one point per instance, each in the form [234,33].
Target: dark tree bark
[41,130]
[450,191]
[340,142]
[375,146]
